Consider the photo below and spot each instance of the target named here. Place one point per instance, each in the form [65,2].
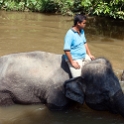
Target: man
[76,49]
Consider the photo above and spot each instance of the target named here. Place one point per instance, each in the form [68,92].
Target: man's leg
[75,72]
[87,59]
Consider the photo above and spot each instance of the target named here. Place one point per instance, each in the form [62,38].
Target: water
[23,32]
[39,114]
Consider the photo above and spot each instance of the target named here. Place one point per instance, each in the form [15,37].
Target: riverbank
[114,9]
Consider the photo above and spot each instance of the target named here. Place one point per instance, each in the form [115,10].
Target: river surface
[27,31]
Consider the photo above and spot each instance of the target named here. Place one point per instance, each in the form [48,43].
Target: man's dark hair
[79,18]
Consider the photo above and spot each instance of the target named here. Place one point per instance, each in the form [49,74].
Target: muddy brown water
[27,31]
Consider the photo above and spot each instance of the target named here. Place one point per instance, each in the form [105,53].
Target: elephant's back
[31,67]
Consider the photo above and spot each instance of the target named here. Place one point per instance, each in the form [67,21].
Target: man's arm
[72,62]
[88,51]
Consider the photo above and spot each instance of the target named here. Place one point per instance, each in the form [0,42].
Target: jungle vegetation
[108,8]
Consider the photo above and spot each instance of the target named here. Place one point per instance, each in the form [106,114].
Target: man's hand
[75,64]
[91,57]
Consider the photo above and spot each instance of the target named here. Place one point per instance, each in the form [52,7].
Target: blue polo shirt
[75,43]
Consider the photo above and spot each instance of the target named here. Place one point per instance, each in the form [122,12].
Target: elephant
[39,77]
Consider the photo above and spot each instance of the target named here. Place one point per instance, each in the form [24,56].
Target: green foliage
[77,7]
[49,6]
[12,5]
[33,5]
[65,6]
[111,8]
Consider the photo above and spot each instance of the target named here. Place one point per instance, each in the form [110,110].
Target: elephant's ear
[73,89]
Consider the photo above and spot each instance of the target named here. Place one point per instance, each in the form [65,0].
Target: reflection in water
[106,28]
[22,32]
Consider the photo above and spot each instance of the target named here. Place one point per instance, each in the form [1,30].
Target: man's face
[82,24]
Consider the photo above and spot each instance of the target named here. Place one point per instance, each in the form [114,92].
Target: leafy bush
[11,5]
[111,8]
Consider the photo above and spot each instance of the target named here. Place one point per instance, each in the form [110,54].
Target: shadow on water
[22,32]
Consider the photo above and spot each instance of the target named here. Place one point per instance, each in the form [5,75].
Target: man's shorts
[81,62]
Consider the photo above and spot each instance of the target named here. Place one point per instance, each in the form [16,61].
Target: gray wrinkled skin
[31,78]
[40,77]
[98,87]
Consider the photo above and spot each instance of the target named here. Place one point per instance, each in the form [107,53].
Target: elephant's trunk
[119,102]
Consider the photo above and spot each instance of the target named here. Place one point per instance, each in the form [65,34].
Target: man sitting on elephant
[76,48]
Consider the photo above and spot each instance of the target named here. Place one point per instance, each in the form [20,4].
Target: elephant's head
[98,87]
